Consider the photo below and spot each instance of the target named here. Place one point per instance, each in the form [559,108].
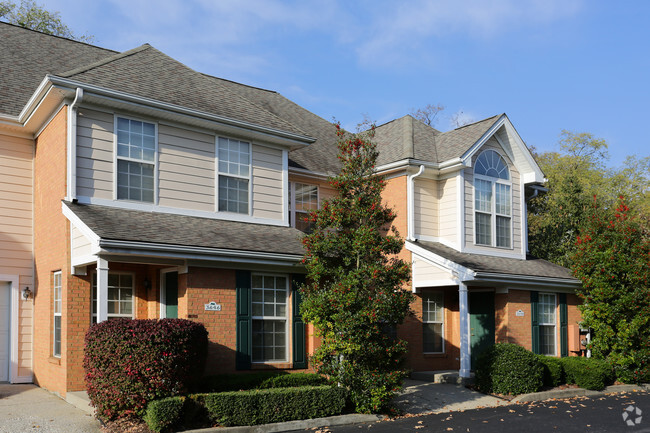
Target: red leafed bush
[129,363]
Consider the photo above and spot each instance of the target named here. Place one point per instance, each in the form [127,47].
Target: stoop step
[80,400]
[443,376]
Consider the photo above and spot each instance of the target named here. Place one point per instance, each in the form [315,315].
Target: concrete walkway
[28,408]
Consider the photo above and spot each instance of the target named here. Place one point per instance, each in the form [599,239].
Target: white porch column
[102,289]
[464,330]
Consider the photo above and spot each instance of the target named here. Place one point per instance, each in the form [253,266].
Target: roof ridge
[105,61]
[58,37]
[474,123]
[240,84]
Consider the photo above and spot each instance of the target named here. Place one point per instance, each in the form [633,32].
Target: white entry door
[5,320]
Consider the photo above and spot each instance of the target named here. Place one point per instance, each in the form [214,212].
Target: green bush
[293,380]
[274,405]
[553,371]
[163,414]
[238,382]
[509,369]
[588,373]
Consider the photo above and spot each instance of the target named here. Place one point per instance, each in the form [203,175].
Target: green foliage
[237,382]
[588,373]
[509,369]
[553,371]
[575,175]
[293,380]
[274,405]
[163,414]
[354,290]
[31,15]
[129,363]
[612,258]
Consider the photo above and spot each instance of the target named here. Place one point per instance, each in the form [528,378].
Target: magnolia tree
[353,295]
[612,258]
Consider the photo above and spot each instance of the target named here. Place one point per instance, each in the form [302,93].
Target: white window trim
[218,174]
[493,213]
[442,331]
[55,315]
[553,324]
[111,315]
[124,158]
[292,200]
[288,316]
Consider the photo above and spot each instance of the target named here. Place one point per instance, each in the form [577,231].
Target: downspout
[410,186]
[71,192]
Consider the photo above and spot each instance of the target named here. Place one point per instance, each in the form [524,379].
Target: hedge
[238,382]
[507,368]
[129,363]
[274,405]
[588,373]
[293,380]
[553,371]
[163,414]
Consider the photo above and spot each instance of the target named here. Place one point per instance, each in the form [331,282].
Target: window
[234,162]
[303,198]
[136,149]
[120,296]
[433,323]
[492,201]
[546,319]
[269,318]
[56,286]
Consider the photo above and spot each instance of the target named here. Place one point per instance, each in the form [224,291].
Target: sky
[550,65]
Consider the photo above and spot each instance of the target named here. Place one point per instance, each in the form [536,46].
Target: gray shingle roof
[179,230]
[531,267]
[26,56]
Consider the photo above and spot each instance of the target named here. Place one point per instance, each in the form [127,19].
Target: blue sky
[580,65]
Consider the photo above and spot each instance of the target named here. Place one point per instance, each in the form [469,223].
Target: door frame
[163,295]
[14,299]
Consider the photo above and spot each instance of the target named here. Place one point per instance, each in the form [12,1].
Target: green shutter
[564,328]
[299,350]
[244,322]
[534,319]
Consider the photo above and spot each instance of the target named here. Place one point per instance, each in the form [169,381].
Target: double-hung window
[433,322]
[546,312]
[234,163]
[56,289]
[269,318]
[136,153]
[120,296]
[492,201]
[303,198]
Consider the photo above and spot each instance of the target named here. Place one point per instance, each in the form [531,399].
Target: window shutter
[534,318]
[564,329]
[244,323]
[299,350]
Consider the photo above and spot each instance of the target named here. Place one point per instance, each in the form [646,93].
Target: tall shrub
[129,363]
[354,291]
[612,258]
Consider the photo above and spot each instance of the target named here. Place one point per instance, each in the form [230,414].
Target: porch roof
[156,228]
[485,266]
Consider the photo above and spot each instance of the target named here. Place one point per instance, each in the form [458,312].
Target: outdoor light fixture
[27,293]
[146,283]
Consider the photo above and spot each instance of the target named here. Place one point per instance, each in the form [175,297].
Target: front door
[5,321]
[171,295]
[481,322]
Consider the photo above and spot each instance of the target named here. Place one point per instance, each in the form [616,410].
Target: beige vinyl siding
[516,201]
[267,182]
[448,213]
[95,154]
[81,246]
[425,273]
[425,194]
[16,258]
[186,169]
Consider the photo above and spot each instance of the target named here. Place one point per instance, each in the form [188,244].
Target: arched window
[492,201]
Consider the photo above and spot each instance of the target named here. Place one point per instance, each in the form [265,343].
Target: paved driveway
[28,408]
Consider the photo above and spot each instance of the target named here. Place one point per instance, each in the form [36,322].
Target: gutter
[71,194]
[529,279]
[410,185]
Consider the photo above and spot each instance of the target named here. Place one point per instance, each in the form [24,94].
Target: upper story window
[492,201]
[136,151]
[234,162]
[303,198]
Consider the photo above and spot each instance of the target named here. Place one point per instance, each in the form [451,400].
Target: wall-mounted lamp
[27,293]
[146,283]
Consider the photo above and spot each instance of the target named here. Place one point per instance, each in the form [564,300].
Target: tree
[612,258]
[32,16]
[575,176]
[428,114]
[354,293]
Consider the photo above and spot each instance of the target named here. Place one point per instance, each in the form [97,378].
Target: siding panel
[94,154]
[267,182]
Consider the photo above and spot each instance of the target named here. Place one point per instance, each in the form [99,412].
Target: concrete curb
[295,425]
[576,392]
